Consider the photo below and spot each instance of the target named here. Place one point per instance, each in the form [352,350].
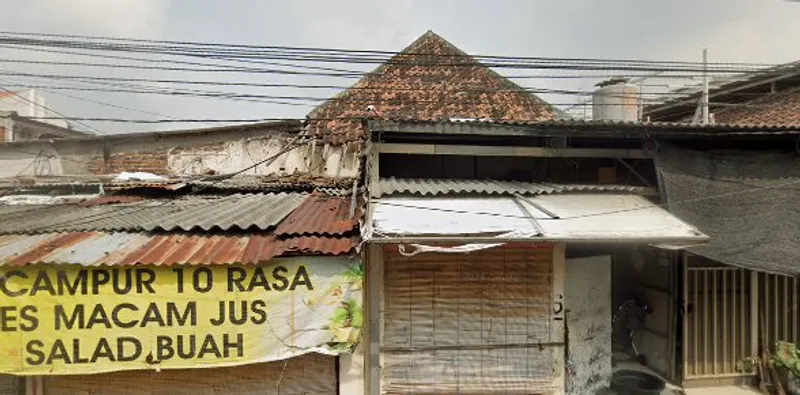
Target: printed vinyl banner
[76,320]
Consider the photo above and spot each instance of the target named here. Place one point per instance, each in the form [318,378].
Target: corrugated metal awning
[433,187]
[101,248]
[597,218]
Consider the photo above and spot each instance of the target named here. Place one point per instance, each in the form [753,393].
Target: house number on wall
[558,307]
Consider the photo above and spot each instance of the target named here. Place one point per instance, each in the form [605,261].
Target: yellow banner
[73,320]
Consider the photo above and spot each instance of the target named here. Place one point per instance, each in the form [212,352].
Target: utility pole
[704,103]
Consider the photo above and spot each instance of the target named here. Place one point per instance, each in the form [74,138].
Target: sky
[756,31]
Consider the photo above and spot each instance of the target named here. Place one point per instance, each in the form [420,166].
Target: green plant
[747,365]
[787,357]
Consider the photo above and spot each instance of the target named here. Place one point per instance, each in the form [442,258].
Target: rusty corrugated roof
[321,215]
[242,212]
[102,248]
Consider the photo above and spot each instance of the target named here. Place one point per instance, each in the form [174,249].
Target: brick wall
[151,162]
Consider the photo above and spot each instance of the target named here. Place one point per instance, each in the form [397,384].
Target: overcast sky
[761,31]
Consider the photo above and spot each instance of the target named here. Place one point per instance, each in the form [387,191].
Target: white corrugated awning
[568,218]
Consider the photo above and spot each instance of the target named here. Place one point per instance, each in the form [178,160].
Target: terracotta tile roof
[781,108]
[431,79]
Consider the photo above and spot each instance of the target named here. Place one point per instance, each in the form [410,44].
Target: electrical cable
[204,47]
[598,64]
[340,50]
[435,88]
[48,109]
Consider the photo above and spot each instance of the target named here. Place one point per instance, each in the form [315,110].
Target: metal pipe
[704,108]
[785,319]
[685,316]
[725,317]
[538,206]
[715,326]
[706,310]
[734,323]
[696,323]
[775,328]
[794,311]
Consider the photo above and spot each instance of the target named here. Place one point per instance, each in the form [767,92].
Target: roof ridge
[403,89]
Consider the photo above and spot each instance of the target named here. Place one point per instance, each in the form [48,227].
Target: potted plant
[787,358]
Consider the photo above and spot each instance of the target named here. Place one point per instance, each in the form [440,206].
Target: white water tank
[616,100]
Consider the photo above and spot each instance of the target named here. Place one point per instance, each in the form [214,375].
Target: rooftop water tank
[616,100]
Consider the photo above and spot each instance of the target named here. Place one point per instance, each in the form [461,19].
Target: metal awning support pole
[537,205]
[528,214]
[704,108]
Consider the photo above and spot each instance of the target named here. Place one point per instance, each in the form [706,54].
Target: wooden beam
[476,150]
[634,172]
[373,167]
[374,333]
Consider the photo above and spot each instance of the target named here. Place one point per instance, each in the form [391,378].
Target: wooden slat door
[468,323]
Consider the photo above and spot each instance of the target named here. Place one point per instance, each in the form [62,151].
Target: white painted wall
[588,299]
[30,103]
[351,372]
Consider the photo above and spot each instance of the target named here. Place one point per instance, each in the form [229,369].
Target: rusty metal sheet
[103,248]
[321,215]
[112,199]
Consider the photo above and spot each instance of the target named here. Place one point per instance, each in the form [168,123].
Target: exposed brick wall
[151,162]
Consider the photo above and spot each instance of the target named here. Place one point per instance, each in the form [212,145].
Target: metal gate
[720,321]
[778,297]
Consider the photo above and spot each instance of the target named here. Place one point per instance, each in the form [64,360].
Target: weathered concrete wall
[588,299]
[187,154]
[650,274]
[351,372]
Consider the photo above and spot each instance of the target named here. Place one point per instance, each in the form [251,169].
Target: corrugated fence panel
[310,374]
[468,323]
[9,385]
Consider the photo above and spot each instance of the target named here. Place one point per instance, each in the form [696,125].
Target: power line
[435,86]
[210,67]
[48,109]
[106,104]
[354,75]
[94,40]
[350,74]
[297,56]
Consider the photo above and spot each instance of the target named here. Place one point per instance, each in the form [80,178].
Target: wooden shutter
[310,374]
[468,323]
[9,385]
